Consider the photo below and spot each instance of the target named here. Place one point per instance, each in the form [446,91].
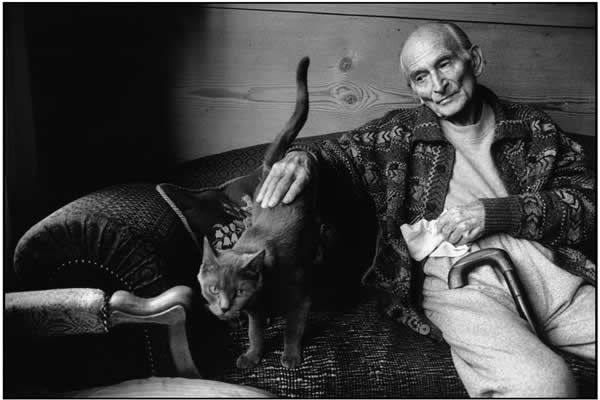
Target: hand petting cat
[287,178]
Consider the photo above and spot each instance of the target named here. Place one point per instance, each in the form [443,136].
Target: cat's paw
[247,360]
[291,360]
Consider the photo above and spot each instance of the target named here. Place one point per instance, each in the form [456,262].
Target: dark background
[85,104]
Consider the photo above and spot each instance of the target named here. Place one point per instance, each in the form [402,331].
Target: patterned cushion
[216,213]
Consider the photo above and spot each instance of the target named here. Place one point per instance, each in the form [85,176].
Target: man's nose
[439,83]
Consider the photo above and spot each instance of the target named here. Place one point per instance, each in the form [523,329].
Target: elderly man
[506,177]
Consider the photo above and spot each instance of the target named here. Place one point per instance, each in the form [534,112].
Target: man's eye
[241,292]
[213,289]
[445,64]
[420,79]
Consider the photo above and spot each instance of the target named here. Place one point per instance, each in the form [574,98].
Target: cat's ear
[208,255]
[255,263]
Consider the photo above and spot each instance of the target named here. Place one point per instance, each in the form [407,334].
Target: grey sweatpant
[495,352]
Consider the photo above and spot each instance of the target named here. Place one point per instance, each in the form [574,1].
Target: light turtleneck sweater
[474,174]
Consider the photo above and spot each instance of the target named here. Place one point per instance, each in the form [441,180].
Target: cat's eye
[213,289]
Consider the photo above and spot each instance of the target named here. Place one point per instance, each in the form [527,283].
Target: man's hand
[289,176]
[462,224]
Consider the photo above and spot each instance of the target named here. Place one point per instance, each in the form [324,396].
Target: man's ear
[477,60]
[255,263]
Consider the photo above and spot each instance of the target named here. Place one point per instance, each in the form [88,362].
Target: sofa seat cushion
[353,352]
[156,387]
[349,352]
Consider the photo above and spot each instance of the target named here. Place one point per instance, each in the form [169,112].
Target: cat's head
[230,280]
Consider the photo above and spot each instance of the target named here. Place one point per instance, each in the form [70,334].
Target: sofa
[127,237]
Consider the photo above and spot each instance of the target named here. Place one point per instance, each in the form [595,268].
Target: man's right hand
[287,178]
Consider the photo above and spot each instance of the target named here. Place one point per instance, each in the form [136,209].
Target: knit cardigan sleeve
[555,203]
[358,165]
[345,157]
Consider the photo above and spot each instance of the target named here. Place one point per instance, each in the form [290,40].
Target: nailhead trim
[150,355]
[95,263]
[105,311]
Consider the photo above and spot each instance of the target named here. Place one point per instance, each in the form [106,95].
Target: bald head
[448,33]
[441,67]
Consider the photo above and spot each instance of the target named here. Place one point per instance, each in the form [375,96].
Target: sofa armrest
[57,312]
[121,237]
[76,311]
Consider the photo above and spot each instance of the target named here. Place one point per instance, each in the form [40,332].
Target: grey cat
[269,269]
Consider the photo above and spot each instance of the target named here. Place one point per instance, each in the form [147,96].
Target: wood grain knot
[350,98]
[345,64]
[348,95]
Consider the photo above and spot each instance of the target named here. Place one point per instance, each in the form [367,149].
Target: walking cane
[498,259]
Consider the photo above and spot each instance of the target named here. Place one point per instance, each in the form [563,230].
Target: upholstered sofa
[127,237]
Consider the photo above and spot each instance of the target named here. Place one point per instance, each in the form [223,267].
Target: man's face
[438,73]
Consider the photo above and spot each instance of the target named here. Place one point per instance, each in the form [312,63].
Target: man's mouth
[446,99]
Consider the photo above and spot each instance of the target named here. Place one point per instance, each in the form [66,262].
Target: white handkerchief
[424,239]
[447,249]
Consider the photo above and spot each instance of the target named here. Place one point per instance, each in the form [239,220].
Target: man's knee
[548,377]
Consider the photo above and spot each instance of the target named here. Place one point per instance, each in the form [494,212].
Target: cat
[269,269]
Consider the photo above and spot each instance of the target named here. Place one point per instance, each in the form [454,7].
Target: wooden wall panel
[581,15]
[235,80]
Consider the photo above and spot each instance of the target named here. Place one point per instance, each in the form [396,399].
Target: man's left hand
[462,224]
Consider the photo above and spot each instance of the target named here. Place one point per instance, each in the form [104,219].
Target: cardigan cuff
[502,215]
[307,148]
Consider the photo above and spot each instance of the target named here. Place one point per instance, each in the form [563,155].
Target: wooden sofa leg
[169,308]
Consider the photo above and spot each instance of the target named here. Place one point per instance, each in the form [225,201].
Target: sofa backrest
[218,168]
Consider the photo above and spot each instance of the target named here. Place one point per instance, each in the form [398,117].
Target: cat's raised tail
[277,148]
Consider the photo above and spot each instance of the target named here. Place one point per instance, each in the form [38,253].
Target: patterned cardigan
[403,164]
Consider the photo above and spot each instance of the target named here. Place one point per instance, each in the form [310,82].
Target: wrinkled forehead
[427,45]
